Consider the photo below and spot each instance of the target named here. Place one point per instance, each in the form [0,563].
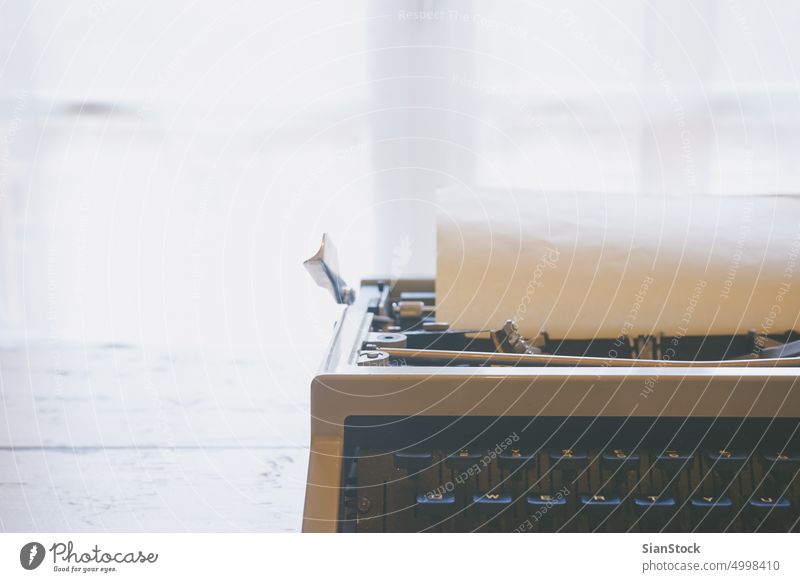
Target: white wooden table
[121,438]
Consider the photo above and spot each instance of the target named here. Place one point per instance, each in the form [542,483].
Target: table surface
[122,438]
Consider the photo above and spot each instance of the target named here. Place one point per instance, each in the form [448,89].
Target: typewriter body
[417,427]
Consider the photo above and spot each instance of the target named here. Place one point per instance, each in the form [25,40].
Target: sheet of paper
[582,265]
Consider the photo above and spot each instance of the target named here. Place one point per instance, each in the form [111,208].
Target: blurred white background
[166,166]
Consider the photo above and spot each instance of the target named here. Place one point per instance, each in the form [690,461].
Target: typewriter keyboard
[576,474]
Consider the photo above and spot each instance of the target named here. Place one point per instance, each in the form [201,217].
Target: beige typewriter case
[365,373]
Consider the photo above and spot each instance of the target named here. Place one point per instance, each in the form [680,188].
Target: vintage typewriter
[417,427]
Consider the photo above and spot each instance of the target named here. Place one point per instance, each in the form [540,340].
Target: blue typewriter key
[413,459]
[674,460]
[568,460]
[600,504]
[654,504]
[725,460]
[770,514]
[769,503]
[436,498]
[546,500]
[782,461]
[492,498]
[711,513]
[703,502]
[491,502]
[545,506]
[620,459]
[463,459]
[600,500]
[516,462]
[436,502]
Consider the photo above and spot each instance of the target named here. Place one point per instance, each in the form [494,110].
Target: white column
[422,129]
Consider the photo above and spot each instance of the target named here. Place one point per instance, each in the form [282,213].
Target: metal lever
[494,358]
[324,269]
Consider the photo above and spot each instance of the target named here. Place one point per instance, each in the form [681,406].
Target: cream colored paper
[582,265]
